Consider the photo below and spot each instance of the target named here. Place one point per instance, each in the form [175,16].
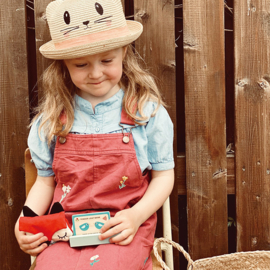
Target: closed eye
[80,65]
[62,237]
[107,61]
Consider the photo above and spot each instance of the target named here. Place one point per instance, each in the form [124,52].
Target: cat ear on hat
[52,6]
[118,2]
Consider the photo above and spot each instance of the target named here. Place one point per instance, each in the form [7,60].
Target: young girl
[101,141]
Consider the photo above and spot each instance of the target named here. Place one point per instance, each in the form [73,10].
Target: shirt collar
[112,103]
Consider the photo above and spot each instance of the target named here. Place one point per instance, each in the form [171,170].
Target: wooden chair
[30,178]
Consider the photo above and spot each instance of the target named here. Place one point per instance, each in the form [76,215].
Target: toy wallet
[86,229]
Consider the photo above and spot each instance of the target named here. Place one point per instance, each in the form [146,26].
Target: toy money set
[86,229]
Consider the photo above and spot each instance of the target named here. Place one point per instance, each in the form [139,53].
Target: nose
[95,72]
[86,22]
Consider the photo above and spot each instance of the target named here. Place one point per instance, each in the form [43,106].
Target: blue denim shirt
[153,142]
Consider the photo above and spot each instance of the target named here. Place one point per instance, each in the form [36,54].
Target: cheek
[116,73]
[77,78]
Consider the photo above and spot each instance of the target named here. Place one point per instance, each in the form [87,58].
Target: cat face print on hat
[85,27]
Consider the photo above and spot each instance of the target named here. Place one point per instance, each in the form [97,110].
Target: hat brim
[48,50]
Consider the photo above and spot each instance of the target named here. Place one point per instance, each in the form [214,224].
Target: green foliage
[231,222]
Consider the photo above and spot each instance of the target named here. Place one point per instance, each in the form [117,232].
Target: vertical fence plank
[42,36]
[14,117]
[252,111]
[204,71]
[157,47]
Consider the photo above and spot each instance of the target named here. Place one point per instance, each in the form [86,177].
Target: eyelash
[62,237]
[80,66]
[107,61]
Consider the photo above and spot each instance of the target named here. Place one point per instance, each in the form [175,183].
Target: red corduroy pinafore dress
[99,173]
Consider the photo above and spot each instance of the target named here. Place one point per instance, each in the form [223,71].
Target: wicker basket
[259,260]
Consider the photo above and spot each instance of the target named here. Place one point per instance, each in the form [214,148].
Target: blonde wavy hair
[58,99]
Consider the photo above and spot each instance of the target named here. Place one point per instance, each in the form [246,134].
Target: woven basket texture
[252,260]
[258,260]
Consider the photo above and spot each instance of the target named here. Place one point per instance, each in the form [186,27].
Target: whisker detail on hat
[69,29]
[103,20]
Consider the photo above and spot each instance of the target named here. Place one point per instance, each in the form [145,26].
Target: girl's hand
[31,244]
[124,225]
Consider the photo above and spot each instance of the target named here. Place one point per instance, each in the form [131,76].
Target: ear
[57,208]
[27,212]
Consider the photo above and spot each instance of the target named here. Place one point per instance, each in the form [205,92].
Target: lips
[96,83]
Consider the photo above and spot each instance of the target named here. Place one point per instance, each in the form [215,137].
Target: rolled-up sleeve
[41,153]
[159,132]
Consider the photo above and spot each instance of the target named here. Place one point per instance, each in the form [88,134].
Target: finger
[110,223]
[37,250]
[120,237]
[111,232]
[106,226]
[125,242]
[27,239]
[35,244]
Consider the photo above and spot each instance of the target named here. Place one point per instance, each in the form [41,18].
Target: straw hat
[85,27]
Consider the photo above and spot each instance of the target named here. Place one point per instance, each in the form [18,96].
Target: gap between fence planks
[14,116]
[252,111]
[157,47]
[204,71]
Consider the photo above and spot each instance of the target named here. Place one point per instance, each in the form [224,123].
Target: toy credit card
[91,223]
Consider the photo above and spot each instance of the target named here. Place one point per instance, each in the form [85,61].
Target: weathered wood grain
[206,166]
[42,36]
[252,112]
[14,117]
[180,181]
[157,47]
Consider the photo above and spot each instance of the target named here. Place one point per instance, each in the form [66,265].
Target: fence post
[14,118]
[157,47]
[206,166]
[42,36]
[252,108]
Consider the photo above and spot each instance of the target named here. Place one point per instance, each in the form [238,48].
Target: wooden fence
[211,57]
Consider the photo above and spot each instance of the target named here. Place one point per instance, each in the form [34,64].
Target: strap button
[126,139]
[62,140]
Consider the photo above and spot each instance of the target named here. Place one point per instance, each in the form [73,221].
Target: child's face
[97,76]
